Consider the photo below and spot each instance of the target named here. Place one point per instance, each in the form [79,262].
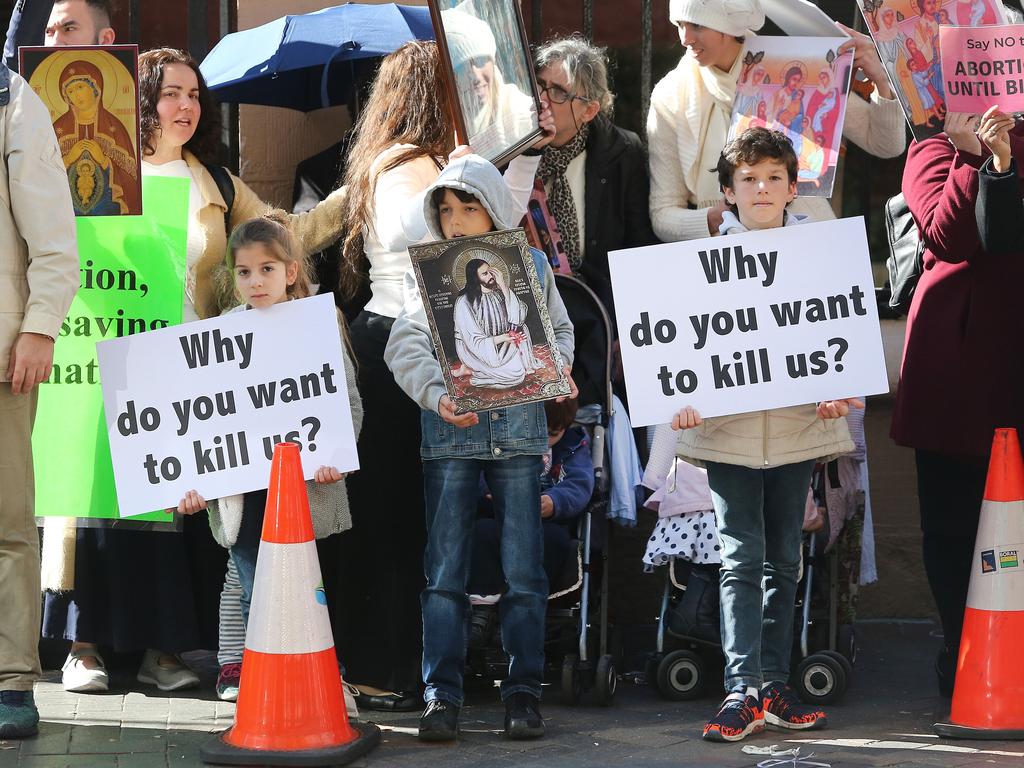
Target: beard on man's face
[490,284]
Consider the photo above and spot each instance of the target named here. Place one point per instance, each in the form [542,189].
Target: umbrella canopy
[310,61]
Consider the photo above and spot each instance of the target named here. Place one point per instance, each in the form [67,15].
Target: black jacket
[617,213]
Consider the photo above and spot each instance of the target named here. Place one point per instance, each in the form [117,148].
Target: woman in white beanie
[691,106]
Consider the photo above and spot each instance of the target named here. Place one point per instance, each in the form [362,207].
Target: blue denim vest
[520,430]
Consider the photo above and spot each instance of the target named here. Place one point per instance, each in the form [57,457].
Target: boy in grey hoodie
[470,198]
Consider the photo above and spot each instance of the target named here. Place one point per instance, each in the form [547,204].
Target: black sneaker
[522,717]
[738,717]
[782,707]
[439,721]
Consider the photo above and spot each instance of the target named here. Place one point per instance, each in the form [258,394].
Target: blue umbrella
[307,62]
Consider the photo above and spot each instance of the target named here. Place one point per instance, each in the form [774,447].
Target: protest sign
[797,85]
[201,406]
[983,67]
[131,280]
[907,36]
[748,322]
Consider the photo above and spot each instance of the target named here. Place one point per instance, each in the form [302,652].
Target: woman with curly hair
[141,590]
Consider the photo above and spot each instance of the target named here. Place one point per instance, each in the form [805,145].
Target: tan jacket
[38,251]
[314,230]
[765,439]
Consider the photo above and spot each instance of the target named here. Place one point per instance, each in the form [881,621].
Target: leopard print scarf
[552,170]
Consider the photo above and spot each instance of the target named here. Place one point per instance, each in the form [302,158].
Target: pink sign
[982,67]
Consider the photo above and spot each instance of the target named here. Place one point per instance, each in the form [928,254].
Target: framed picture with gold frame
[92,93]
[489,74]
[489,320]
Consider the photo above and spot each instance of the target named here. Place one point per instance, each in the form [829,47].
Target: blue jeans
[451,489]
[247,546]
[760,515]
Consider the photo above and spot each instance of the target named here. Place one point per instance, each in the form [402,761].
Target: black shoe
[389,702]
[439,721]
[522,717]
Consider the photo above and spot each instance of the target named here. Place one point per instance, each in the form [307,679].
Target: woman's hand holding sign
[994,131]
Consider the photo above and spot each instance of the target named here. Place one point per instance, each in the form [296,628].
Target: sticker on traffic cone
[291,707]
[988,698]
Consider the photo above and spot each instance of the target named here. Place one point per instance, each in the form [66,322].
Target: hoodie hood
[478,177]
[731,223]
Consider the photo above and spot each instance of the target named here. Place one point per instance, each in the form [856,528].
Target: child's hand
[547,507]
[573,389]
[446,410]
[994,131]
[833,409]
[328,475]
[688,418]
[191,503]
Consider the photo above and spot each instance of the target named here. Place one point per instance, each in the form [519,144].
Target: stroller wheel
[605,680]
[572,684]
[844,663]
[681,675]
[821,679]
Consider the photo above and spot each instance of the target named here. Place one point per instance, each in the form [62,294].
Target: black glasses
[558,94]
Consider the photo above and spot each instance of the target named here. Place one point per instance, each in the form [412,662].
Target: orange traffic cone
[291,708]
[988,698]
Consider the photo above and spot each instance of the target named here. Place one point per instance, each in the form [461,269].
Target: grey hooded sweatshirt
[410,350]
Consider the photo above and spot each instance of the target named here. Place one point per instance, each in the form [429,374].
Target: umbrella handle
[324,77]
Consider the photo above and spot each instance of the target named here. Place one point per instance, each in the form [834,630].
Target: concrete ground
[884,720]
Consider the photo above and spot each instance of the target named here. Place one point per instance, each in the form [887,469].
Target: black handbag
[906,253]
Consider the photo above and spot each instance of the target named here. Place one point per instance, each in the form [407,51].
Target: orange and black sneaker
[782,707]
[739,716]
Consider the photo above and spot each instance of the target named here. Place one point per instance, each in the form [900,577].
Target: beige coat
[765,439]
[38,252]
[314,230]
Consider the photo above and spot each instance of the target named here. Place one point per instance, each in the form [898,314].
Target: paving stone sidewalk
[884,722]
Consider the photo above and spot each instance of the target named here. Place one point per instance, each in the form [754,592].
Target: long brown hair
[407,105]
[206,140]
[271,231]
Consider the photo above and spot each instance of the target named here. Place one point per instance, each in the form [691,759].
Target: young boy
[470,198]
[566,485]
[759,469]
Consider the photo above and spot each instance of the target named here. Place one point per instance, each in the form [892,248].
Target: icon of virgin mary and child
[98,152]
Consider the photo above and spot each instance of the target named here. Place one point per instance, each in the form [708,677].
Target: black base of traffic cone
[219,752]
[954,731]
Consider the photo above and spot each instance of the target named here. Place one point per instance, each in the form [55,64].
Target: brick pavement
[883,722]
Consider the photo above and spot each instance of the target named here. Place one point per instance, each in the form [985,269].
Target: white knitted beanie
[731,17]
[468,37]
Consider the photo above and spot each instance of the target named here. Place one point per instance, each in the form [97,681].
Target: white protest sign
[748,322]
[202,405]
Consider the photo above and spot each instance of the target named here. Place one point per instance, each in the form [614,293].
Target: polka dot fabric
[693,537]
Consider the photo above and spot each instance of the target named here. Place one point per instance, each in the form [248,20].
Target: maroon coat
[963,363]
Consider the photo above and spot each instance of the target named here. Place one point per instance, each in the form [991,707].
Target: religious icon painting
[797,85]
[906,34]
[92,93]
[484,300]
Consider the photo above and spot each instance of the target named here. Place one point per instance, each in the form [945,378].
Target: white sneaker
[165,678]
[77,678]
[350,701]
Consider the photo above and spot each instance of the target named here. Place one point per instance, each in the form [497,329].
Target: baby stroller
[576,633]
[688,660]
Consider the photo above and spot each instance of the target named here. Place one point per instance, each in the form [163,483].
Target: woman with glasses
[594,173]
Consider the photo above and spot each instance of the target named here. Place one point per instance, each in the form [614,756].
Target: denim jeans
[452,489]
[247,546]
[760,515]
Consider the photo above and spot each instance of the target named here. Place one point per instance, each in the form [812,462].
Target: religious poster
[542,230]
[93,96]
[489,319]
[797,85]
[906,34]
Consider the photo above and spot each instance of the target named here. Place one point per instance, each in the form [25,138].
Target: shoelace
[739,704]
[231,670]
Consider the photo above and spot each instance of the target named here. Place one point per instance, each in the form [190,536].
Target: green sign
[132,280]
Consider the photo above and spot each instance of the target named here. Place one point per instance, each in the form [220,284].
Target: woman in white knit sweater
[691,106]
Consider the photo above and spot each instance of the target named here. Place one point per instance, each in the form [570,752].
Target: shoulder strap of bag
[906,252]
[227,190]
